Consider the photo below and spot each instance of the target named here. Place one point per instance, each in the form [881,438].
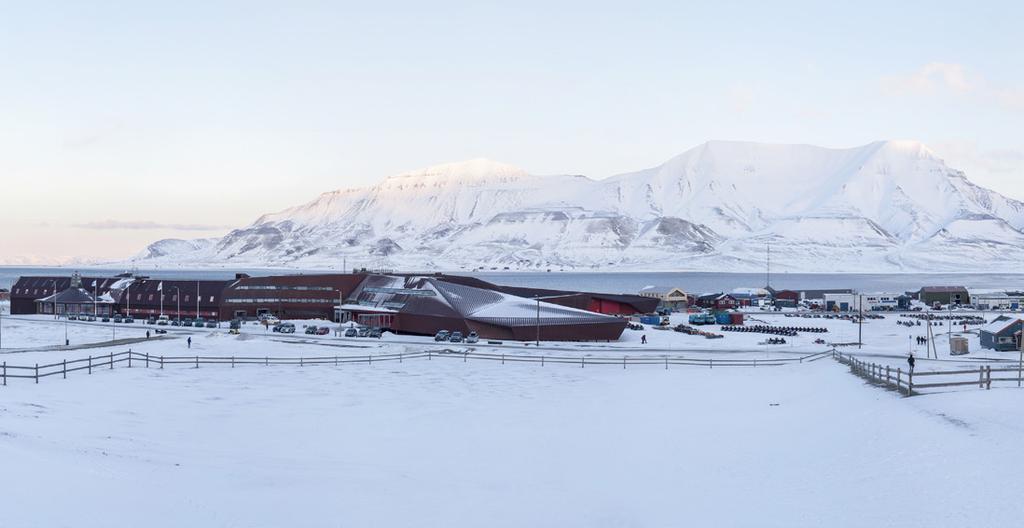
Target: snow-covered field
[447,443]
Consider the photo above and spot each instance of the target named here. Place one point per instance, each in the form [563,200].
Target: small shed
[1002,334]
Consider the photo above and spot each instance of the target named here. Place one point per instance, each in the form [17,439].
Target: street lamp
[177,296]
[54,281]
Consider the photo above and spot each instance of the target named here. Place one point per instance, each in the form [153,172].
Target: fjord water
[617,282]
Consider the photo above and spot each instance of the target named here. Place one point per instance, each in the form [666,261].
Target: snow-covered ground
[448,443]
[482,444]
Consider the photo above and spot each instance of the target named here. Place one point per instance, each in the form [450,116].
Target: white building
[674,298]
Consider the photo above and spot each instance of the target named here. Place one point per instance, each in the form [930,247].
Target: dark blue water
[694,282]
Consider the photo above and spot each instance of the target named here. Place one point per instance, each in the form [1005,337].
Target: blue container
[650,319]
[722,318]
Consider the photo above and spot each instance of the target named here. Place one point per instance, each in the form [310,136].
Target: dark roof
[71,296]
[943,289]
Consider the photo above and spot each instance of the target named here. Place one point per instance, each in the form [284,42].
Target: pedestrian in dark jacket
[910,360]
[643,339]
[190,342]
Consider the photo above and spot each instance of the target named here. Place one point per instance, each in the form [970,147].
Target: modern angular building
[426,304]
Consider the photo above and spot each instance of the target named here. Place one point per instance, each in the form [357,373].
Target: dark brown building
[173,298]
[287,296]
[27,290]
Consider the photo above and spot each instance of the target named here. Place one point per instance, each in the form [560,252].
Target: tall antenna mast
[768,266]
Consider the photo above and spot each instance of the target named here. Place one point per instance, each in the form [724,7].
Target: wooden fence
[912,382]
[135,359]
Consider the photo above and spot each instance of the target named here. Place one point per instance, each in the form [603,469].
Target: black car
[376,332]
[129,319]
[118,319]
[456,337]
[106,319]
[310,330]
[441,335]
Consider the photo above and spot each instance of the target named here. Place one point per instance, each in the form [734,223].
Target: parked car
[310,330]
[268,320]
[284,328]
[160,331]
[91,318]
[351,332]
[236,324]
[129,320]
[72,317]
[363,331]
[118,319]
[176,322]
[212,324]
[323,330]
[375,332]
[186,322]
[456,337]
[162,320]
[105,319]
[472,338]
[151,320]
[441,335]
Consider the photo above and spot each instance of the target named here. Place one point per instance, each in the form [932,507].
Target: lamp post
[54,281]
[177,296]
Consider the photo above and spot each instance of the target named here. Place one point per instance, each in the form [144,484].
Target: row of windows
[270,300]
[273,287]
[173,298]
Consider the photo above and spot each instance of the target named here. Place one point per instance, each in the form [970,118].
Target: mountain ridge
[882,205]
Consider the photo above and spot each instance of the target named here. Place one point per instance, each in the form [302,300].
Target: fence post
[111,361]
[232,361]
[899,375]
[430,355]
[369,360]
[64,369]
[888,377]
[910,382]
[988,377]
[981,377]
[197,361]
[542,361]
[503,359]
[266,361]
[161,362]
[90,364]
[755,363]
[711,363]
[301,362]
[623,362]
[37,373]
[129,358]
[666,362]
[583,361]
[465,355]
[5,373]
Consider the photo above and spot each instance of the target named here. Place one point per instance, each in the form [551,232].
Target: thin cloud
[930,79]
[119,224]
[941,78]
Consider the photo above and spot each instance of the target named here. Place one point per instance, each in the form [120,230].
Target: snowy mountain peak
[881,206]
[470,172]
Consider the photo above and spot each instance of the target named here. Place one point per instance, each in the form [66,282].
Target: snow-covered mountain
[885,206]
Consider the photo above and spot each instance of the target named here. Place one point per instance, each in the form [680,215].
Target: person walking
[147,334]
[643,339]
[910,361]
[190,342]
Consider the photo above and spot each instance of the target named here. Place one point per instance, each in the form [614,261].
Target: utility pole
[538,321]
[197,300]
[860,323]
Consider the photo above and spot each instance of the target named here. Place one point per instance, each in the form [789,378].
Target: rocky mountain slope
[885,206]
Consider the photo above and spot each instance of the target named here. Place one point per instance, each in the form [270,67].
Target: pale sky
[125,122]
